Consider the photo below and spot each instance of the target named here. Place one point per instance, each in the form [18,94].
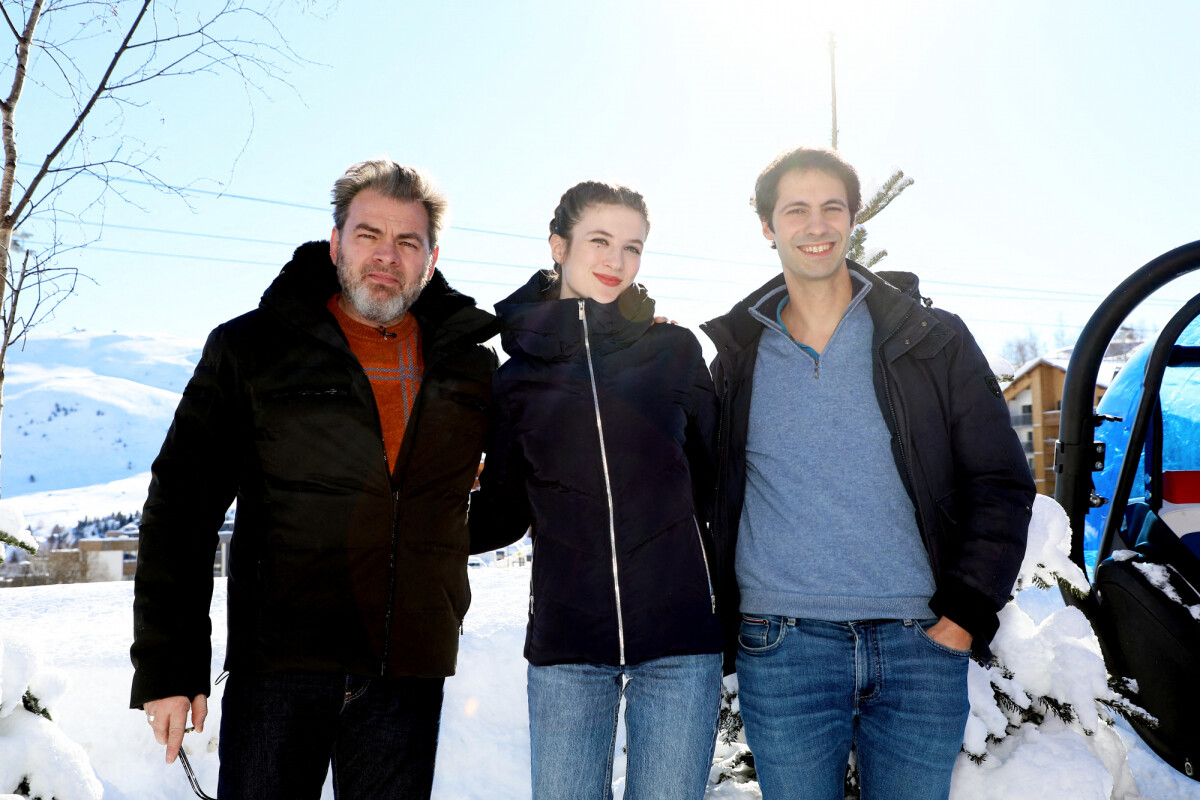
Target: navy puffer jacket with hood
[601,441]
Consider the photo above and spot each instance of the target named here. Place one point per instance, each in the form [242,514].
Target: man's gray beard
[370,307]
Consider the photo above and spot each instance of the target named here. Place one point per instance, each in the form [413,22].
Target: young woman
[601,444]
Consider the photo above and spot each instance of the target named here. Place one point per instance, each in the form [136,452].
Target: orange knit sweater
[392,360]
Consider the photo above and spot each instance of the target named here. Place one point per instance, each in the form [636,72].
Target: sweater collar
[892,296]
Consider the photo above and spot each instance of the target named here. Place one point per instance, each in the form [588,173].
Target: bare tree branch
[149,41]
[11,27]
[91,103]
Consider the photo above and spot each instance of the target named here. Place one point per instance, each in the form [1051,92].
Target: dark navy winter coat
[952,440]
[601,441]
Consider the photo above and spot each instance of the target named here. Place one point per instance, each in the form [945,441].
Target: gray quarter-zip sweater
[827,529]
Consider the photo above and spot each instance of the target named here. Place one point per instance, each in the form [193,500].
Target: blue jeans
[671,707]
[280,731]
[811,690]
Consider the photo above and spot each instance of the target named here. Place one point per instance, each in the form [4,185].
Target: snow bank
[1043,704]
[82,633]
[35,751]
[1048,550]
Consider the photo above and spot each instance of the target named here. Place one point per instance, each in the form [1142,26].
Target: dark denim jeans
[810,690]
[280,732]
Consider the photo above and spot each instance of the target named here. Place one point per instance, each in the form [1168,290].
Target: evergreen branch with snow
[34,705]
[14,533]
[889,191]
[857,238]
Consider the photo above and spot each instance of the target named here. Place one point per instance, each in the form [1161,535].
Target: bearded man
[346,415]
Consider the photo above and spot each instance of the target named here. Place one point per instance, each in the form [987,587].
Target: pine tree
[732,758]
[891,189]
[896,183]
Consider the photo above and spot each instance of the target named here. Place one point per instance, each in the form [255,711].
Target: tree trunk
[7,220]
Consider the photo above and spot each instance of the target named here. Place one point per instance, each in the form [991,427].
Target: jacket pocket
[712,595]
[305,393]
[933,342]
[467,399]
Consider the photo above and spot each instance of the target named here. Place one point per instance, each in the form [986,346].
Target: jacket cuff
[969,608]
[151,684]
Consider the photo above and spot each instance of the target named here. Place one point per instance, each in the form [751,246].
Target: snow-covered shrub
[1041,714]
[1046,701]
[13,531]
[732,760]
[36,757]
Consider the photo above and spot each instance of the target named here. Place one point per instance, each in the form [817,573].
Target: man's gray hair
[390,180]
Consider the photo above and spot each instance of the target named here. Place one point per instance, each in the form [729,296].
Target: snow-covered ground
[82,634]
[69,644]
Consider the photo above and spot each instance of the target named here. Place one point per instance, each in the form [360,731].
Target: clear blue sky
[1053,147]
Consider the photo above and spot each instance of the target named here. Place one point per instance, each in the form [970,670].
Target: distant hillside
[82,409]
[163,362]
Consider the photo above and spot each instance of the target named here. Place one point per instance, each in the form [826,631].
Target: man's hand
[951,634]
[168,719]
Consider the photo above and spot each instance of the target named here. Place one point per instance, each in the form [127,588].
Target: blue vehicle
[1138,490]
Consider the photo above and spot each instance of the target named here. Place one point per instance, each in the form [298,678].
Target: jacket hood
[535,322]
[306,283]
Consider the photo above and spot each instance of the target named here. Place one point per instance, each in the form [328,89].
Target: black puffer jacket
[335,565]
[952,439]
[601,442]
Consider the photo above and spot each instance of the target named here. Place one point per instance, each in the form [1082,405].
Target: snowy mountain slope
[44,510]
[164,362]
[70,428]
[83,409]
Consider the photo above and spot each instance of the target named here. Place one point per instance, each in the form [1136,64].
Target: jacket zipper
[712,595]
[391,599]
[722,449]
[396,491]
[612,527]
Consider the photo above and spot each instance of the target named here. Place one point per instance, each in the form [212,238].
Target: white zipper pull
[581,308]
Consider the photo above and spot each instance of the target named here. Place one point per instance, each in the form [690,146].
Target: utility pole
[833,89]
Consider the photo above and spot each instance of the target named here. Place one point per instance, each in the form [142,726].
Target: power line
[323,209]
[196,234]
[177,255]
[1043,295]
[503,265]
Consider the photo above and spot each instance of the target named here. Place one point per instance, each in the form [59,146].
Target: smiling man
[873,505]
[346,415]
